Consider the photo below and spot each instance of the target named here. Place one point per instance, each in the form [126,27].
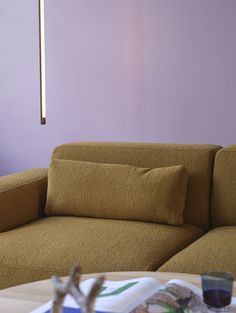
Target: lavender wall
[120,70]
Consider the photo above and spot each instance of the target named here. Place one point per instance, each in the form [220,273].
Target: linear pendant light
[42,61]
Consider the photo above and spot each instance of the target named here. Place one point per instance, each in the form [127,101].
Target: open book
[140,295]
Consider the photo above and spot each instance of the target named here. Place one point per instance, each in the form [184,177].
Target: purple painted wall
[121,70]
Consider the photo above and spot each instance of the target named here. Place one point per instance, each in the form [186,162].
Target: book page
[115,296]
[122,296]
[176,296]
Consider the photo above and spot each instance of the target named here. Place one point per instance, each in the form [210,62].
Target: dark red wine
[217,298]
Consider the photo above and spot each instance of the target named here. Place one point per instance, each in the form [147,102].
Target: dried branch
[61,289]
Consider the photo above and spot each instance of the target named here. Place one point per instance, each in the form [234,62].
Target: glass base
[224,309]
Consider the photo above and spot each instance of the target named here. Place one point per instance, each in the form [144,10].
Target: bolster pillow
[115,191]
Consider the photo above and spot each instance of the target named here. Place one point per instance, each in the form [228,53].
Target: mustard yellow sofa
[37,241]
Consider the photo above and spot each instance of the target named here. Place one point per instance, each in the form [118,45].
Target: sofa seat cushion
[53,244]
[215,251]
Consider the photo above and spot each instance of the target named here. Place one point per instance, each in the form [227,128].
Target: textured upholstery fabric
[197,159]
[116,191]
[22,197]
[52,245]
[215,251]
[223,205]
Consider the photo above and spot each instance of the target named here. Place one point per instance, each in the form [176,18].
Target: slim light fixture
[42,61]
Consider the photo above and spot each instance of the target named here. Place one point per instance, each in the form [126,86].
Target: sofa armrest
[22,197]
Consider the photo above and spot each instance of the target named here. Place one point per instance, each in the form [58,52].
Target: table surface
[24,298]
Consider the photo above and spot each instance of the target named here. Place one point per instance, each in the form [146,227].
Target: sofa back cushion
[117,191]
[223,205]
[197,159]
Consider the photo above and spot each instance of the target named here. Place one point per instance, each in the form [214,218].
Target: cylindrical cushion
[197,159]
[22,197]
[117,191]
[223,205]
